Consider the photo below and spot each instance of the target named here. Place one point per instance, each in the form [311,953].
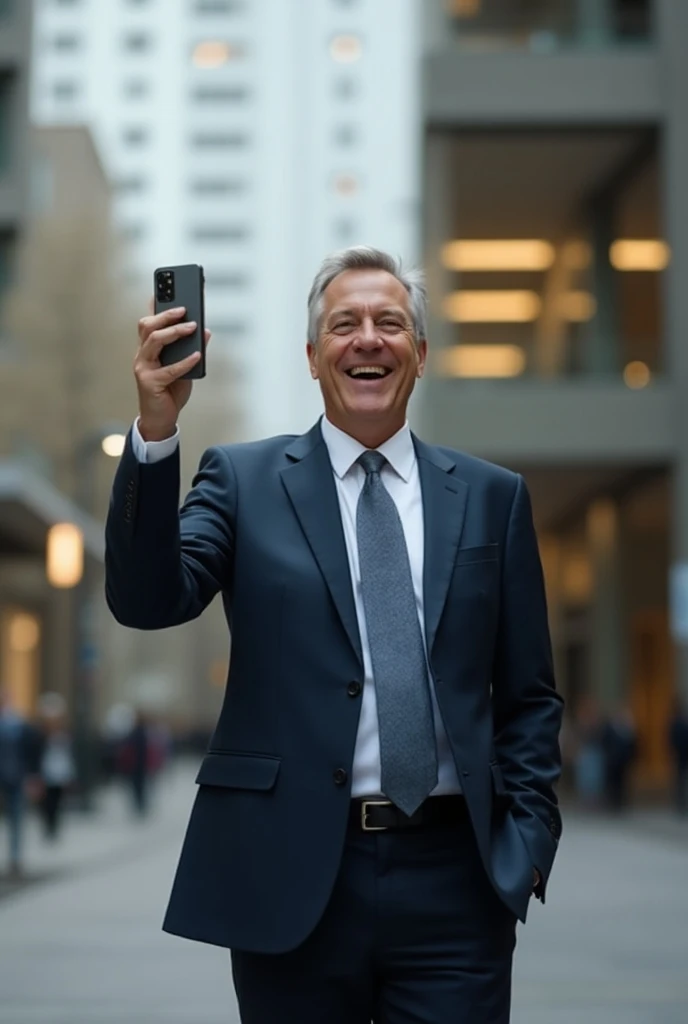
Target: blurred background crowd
[531,155]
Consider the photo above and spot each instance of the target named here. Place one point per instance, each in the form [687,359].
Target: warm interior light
[498,254]
[213,53]
[640,254]
[481,361]
[577,255]
[464,8]
[578,307]
[113,445]
[65,555]
[346,184]
[24,633]
[637,375]
[346,49]
[492,307]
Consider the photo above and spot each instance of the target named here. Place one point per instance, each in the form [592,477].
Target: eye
[343,325]
[390,324]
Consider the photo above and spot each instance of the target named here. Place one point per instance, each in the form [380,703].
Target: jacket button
[354,689]
[340,776]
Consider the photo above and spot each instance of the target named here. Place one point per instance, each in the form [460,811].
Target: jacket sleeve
[526,707]
[164,565]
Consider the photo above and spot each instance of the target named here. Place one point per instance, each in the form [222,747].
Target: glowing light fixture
[464,8]
[24,633]
[65,555]
[498,254]
[637,375]
[492,307]
[113,445]
[346,184]
[346,49]
[213,53]
[481,361]
[640,254]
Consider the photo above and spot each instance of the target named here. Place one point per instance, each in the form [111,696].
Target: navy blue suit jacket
[262,526]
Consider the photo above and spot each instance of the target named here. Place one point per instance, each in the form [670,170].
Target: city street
[86,948]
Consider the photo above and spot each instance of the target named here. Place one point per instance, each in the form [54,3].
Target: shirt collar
[344,449]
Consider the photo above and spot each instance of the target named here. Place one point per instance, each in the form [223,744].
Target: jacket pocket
[239,771]
[502,797]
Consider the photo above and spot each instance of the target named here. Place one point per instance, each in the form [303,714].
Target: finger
[177,370]
[148,324]
[153,345]
[208,336]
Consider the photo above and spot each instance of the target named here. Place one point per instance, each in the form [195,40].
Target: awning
[30,505]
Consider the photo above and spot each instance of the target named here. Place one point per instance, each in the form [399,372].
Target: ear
[422,357]
[312,356]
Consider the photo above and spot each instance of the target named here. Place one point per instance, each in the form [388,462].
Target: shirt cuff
[152,451]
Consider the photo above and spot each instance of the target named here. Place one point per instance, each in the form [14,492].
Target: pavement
[83,945]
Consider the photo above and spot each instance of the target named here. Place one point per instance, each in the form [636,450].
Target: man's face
[366,357]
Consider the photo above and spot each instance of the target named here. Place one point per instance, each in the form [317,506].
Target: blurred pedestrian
[57,767]
[377,807]
[620,747]
[141,758]
[589,760]
[18,764]
[678,743]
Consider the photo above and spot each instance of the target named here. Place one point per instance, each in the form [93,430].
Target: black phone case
[188,292]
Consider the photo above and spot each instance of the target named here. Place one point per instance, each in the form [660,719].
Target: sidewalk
[107,835]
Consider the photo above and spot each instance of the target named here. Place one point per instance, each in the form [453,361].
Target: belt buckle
[364,815]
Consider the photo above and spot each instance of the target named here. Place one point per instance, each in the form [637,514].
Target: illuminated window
[346,49]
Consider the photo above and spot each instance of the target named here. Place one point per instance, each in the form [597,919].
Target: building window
[217,186]
[345,87]
[345,135]
[66,43]
[219,6]
[225,279]
[220,94]
[66,90]
[219,140]
[345,229]
[135,88]
[346,49]
[219,233]
[131,185]
[135,136]
[213,53]
[137,42]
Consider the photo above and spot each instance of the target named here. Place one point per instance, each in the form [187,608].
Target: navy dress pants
[413,934]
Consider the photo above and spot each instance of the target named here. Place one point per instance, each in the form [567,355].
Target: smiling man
[376,806]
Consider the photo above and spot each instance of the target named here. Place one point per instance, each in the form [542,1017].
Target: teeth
[358,370]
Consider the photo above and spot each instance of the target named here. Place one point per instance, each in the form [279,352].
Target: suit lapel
[444,510]
[309,482]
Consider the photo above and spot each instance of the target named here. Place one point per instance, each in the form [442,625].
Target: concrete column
[672,26]
[594,22]
[607,646]
[602,340]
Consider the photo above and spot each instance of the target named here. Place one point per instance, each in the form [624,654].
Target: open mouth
[368,372]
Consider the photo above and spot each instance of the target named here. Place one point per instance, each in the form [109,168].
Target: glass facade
[548,25]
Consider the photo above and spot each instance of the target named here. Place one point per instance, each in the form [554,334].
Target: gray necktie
[408,746]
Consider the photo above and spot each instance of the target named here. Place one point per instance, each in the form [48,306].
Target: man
[18,766]
[376,806]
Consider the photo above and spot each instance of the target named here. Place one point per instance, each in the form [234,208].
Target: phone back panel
[188,292]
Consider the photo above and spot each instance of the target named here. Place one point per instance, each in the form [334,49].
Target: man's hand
[537,879]
[162,394]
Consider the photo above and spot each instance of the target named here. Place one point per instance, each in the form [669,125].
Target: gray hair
[364,257]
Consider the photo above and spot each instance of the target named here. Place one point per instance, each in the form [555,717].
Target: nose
[367,336]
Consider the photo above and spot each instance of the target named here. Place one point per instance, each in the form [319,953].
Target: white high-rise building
[253,137]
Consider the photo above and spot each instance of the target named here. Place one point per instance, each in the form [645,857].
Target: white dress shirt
[400,477]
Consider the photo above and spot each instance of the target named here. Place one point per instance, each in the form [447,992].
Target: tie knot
[372,461]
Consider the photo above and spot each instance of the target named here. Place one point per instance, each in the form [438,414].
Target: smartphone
[183,286]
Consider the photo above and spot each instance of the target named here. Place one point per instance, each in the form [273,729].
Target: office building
[556,242]
[250,138]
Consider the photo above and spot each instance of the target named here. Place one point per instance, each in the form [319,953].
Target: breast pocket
[236,770]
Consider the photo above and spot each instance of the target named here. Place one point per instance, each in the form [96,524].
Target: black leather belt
[378,815]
